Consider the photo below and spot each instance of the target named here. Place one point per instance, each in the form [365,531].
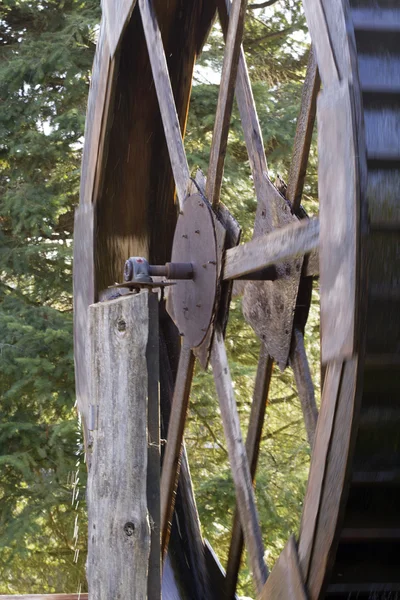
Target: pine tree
[46,52]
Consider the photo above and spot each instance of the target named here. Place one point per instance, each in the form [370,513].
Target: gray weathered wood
[294,240]
[338,219]
[318,464]
[304,130]
[225,101]
[254,432]
[166,100]
[172,456]
[238,461]
[285,581]
[304,384]
[84,295]
[99,84]
[46,597]
[316,21]
[116,14]
[119,520]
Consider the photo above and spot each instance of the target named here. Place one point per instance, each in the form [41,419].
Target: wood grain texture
[238,461]
[116,15]
[225,100]
[119,521]
[99,84]
[166,99]
[254,432]
[285,581]
[304,384]
[279,245]
[338,217]
[304,131]
[316,21]
[172,455]
[323,436]
[84,295]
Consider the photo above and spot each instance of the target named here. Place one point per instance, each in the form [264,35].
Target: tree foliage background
[46,53]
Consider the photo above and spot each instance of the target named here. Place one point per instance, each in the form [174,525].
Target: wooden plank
[84,295]
[338,193]
[336,479]
[172,456]
[119,522]
[318,464]
[46,597]
[304,384]
[166,100]
[304,130]
[117,14]
[238,461]
[285,581]
[254,432]
[99,84]
[225,101]
[319,32]
[279,245]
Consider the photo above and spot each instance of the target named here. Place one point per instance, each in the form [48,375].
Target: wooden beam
[46,597]
[256,422]
[166,99]
[122,336]
[225,101]
[270,248]
[172,456]
[304,130]
[285,582]
[304,383]
[238,461]
[117,14]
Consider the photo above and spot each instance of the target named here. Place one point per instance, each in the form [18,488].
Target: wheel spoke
[171,462]
[165,97]
[304,383]
[238,460]
[257,414]
[225,101]
[304,130]
[270,248]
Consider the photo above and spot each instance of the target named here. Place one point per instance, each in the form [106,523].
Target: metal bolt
[129,528]
[198,305]
[201,204]
[184,235]
[204,266]
[204,328]
[185,308]
[181,212]
[212,262]
[197,231]
[181,334]
[121,325]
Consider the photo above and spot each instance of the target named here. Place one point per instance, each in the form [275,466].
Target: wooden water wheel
[133,204]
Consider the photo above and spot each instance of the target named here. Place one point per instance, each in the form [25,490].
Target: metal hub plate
[191,303]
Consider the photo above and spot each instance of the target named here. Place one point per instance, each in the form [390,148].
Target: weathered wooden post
[123,484]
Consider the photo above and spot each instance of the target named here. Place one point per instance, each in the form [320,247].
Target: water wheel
[138,199]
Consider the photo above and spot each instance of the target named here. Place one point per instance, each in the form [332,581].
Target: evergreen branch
[271,35]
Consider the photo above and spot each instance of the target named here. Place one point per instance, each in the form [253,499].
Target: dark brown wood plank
[338,216]
[285,581]
[238,461]
[225,101]
[254,432]
[172,456]
[293,240]
[304,383]
[116,15]
[166,100]
[304,130]
[119,523]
